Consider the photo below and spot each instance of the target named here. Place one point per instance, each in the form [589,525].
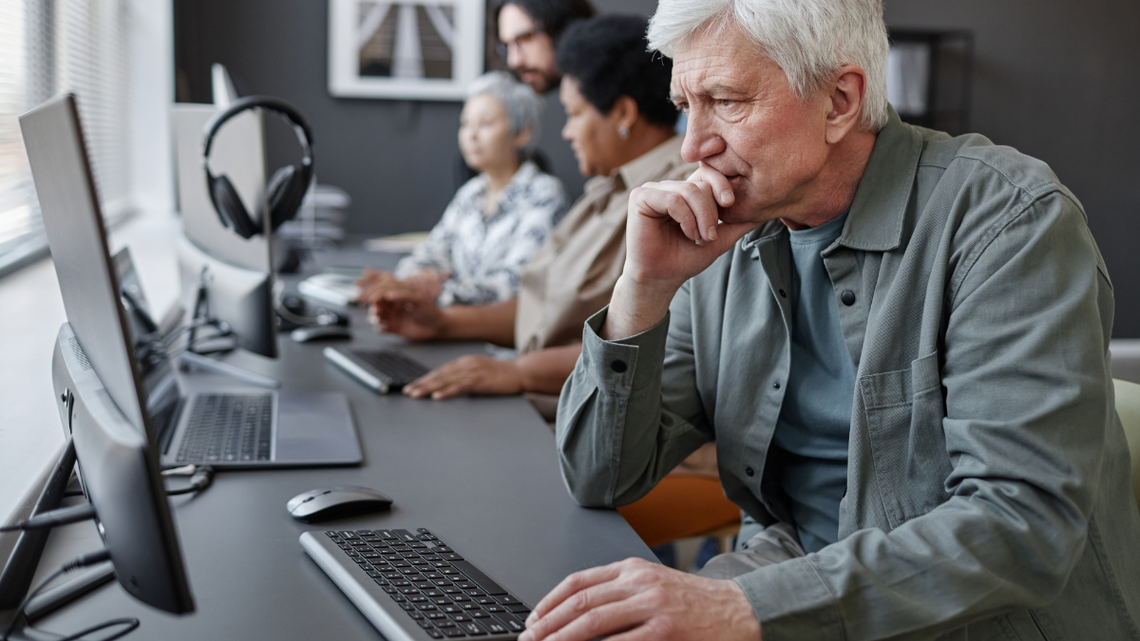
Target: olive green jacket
[987,485]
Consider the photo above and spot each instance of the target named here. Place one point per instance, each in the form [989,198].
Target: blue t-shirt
[809,448]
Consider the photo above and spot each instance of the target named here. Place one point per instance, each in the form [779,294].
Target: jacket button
[848,297]
[776,385]
[618,366]
[749,471]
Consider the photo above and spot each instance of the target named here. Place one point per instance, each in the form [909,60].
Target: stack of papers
[397,243]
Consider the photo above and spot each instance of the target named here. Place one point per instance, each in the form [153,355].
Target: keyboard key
[435,634]
[473,628]
[495,627]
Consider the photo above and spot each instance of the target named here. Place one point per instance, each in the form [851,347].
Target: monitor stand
[191,360]
[16,579]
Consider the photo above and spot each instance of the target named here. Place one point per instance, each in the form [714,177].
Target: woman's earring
[623,132]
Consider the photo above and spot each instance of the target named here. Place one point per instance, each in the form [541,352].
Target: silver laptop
[246,428]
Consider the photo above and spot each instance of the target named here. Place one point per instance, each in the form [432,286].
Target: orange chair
[680,507]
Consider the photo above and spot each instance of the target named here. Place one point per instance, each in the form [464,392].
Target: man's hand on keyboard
[646,601]
[468,375]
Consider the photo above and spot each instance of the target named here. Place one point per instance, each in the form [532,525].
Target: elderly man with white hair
[896,339]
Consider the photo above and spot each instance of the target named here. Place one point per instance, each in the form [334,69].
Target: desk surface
[480,472]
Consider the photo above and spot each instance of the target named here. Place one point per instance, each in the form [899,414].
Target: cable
[200,479]
[74,564]
[131,623]
[62,516]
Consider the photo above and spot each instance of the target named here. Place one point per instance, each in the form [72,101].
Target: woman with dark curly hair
[620,124]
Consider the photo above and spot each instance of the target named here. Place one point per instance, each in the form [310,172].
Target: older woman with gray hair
[897,341]
[497,220]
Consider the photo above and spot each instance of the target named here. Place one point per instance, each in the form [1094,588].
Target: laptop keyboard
[441,591]
[228,427]
[396,368]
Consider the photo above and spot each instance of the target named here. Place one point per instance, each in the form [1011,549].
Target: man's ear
[845,102]
[523,137]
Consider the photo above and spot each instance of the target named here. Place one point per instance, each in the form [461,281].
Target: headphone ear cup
[286,191]
[230,209]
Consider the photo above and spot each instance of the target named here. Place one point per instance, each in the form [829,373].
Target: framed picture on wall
[407,50]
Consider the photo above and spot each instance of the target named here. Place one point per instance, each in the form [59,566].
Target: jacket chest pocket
[902,413]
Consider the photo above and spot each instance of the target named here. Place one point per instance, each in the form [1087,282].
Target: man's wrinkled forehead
[712,60]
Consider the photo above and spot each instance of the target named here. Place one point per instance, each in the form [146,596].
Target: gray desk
[482,473]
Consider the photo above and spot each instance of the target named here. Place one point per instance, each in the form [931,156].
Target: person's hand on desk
[427,282]
[635,600]
[412,315]
[468,375]
[375,284]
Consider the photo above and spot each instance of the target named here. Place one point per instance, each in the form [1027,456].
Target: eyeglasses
[521,41]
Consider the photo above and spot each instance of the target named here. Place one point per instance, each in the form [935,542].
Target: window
[48,47]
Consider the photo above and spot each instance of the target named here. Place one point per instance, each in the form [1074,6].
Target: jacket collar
[875,221]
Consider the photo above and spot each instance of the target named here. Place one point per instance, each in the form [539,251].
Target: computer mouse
[320,332]
[334,502]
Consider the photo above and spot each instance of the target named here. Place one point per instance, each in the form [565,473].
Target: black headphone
[287,186]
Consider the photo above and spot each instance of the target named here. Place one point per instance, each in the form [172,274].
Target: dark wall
[398,159]
[1053,78]
[1058,80]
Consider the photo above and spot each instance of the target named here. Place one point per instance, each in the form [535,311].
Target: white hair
[810,40]
[522,105]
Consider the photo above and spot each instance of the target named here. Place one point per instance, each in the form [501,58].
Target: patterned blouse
[486,254]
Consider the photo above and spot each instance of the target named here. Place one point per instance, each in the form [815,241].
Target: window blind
[48,47]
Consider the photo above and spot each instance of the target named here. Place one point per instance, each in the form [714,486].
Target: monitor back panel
[238,152]
[74,224]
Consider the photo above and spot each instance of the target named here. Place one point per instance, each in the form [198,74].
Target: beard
[541,81]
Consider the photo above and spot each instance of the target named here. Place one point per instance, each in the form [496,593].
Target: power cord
[84,561]
[62,516]
[201,476]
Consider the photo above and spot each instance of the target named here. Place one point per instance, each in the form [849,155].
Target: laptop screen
[159,381]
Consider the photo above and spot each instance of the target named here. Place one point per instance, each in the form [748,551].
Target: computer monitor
[95,376]
[241,269]
[222,86]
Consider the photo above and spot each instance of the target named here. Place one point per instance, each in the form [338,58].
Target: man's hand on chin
[636,600]
[673,233]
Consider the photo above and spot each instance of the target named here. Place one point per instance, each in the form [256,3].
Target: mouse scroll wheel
[309,499]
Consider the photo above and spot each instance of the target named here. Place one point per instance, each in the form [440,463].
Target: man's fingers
[690,204]
[719,186]
[572,584]
[591,613]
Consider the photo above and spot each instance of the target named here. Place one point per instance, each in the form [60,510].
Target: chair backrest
[1128,407]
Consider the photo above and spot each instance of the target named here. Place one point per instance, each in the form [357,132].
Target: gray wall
[1058,80]
[1053,78]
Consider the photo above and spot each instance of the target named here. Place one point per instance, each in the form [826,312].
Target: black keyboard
[228,427]
[396,369]
[440,591]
